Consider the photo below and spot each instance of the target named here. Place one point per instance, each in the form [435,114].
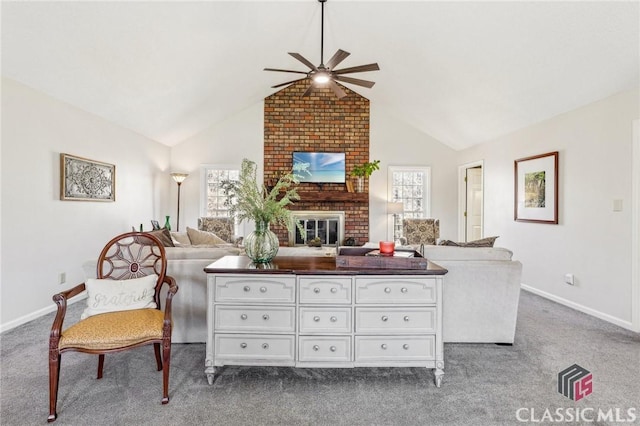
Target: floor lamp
[179,178]
[395,209]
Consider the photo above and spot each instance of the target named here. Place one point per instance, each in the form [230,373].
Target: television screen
[324,167]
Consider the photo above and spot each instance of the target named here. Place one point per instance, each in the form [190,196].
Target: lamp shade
[179,177]
[395,208]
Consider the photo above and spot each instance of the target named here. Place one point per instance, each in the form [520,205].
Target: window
[213,198]
[412,187]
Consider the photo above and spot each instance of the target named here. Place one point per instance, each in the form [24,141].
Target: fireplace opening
[326,225]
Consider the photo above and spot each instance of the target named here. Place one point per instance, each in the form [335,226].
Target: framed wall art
[536,188]
[86,180]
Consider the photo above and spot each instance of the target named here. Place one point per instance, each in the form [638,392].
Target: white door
[473,211]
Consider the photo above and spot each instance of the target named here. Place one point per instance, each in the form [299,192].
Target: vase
[360,184]
[262,244]
[167,223]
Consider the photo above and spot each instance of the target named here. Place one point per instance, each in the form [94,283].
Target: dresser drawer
[399,320]
[324,348]
[325,290]
[255,318]
[325,320]
[255,347]
[394,348]
[395,289]
[255,288]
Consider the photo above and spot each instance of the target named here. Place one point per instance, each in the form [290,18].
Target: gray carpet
[484,384]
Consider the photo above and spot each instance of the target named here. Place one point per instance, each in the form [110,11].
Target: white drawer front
[395,289]
[395,348]
[255,347]
[255,318]
[325,290]
[398,320]
[325,320]
[255,288]
[324,348]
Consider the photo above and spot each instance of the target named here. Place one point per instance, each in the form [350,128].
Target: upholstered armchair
[123,309]
[223,227]
[421,231]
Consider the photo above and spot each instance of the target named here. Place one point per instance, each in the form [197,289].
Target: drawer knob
[403,289]
[247,288]
[316,290]
[383,346]
[405,346]
[316,318]
[265,317]
[243,316]
[406,318]
[332,348]
[334,290]
[263,289]
[243,345]
[384,318]
[387,290]
[316,348]
[265,346]
[333,319]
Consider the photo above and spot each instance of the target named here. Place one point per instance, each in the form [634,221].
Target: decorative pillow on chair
[484,242]
[203,237]
[119,295]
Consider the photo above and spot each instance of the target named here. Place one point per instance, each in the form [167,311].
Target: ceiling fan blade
[338,57]
[279,70]
[337,90]
[303,60]
[359,68]
[288,82]
[308,91]
[357,81]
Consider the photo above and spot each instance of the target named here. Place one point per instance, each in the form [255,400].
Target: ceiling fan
[325,74]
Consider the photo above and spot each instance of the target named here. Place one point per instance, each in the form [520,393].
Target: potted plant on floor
[362,171]
[249,200]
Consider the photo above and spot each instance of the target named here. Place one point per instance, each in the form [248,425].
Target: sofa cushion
[202,252]
[180,239]
[198,237]
[484,242]
[106,295]
[163,235]
[436,253]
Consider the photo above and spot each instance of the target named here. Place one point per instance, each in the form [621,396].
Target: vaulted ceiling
[462,72]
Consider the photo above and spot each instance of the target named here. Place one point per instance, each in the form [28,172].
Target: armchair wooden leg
[54,380]
[156,347]
[166,361]
[100,365]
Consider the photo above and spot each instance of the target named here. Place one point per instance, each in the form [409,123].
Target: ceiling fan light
[321,77]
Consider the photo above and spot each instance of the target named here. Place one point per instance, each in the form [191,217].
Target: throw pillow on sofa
[198,237]
[164,236]
[180,239]
[484,242]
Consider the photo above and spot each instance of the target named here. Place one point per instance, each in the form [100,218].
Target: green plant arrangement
[365,169]
[249,200]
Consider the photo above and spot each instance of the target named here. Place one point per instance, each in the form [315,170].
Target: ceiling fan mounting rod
[322,2]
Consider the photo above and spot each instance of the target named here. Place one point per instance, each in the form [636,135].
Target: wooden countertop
[308,265]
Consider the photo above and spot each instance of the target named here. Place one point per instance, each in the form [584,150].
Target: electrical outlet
[569,279]
[62,277]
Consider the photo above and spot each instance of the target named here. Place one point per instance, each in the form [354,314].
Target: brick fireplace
[319,123]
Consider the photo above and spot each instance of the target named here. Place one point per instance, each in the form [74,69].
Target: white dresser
[308,313]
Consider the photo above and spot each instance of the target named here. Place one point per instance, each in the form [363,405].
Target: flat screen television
[324,167]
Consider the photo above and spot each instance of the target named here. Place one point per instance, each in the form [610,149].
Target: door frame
[635,227]
[462,196]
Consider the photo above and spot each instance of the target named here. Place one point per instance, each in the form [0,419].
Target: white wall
[240,136]
[396,143]
[591,241]
[43,236]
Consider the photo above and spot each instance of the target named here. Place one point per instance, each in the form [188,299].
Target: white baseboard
[578,307]
[37,314]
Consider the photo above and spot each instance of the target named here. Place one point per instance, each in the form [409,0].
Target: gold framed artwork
[82,179]
[536,188]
